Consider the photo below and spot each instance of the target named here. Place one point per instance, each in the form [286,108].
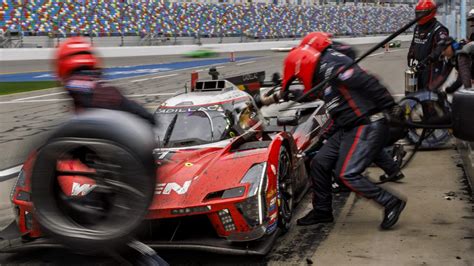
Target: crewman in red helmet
[78,69]
[359,105]
[428,33]
[320,41]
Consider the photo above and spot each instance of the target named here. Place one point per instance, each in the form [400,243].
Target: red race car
[228,176]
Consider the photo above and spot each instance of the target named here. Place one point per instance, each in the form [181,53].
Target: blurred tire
[415,107]
[125,177]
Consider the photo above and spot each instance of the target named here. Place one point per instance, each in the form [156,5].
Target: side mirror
[287,120]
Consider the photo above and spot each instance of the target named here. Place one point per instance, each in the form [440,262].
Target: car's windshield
[192,127]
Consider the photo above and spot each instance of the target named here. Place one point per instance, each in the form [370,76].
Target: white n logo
[165,188]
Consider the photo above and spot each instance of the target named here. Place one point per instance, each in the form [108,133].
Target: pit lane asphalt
[27,118]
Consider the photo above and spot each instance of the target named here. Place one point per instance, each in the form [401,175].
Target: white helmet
[470,16]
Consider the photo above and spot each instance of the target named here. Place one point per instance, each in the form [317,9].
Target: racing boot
[392,213]
[316,217]
[391,178]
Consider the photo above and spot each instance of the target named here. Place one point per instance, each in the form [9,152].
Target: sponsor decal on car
[271,194]
[273,205]
[166,188]
[190,109]
[274,216]
[272,227]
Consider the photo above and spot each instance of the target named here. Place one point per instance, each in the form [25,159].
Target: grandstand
[153,22]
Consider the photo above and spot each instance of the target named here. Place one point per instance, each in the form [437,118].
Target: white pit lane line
[159,77]
[38,96]
[36,101]
[10,172]
[245,63]
[153,94]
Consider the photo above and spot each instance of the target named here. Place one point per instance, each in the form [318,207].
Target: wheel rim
[416,114]
[285,189]
[94,207]
[119,201]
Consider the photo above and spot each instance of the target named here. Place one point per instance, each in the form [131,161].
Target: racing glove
[394,115]
[267,100]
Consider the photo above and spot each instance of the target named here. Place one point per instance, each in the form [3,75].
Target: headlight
[254,176]
[253,208]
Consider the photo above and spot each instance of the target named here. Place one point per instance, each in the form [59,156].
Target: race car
[228,175]
[201,53]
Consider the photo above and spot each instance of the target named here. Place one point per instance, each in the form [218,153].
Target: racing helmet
[300,64]
[317,40]
[426,9]
[73,54]
[249,118]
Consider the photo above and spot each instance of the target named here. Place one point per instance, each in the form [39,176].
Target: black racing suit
[354,101]
[87,91]
[462,61]
[383,160]
[424,44]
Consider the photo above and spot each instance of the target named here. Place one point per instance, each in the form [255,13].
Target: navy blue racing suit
[87,91]
[354,101]
[424,45]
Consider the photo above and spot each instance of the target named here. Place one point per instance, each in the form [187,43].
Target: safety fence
[141,18]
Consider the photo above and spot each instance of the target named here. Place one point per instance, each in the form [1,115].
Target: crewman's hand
[394,115]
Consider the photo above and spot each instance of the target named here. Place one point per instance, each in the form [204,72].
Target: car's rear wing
[250,83]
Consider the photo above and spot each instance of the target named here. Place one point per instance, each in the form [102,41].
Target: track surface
[27,118]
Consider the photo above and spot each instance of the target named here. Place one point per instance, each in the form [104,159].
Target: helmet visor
[422,13]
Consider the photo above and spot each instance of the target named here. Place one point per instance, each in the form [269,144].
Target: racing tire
[285,190]
[415,107]
[119,147]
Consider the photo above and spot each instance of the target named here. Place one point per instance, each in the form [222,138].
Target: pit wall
[466,149]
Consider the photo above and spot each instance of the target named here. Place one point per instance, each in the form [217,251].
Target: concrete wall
[47,53]
[466,149]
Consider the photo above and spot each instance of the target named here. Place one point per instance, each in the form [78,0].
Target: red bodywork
[187,180]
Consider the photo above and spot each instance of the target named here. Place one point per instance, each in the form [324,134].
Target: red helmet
[317,40]
[425,9]
[300,64]
[73,54]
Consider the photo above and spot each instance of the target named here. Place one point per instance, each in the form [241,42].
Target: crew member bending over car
[320,41]
[427,34]
[77,68]
[358,105]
